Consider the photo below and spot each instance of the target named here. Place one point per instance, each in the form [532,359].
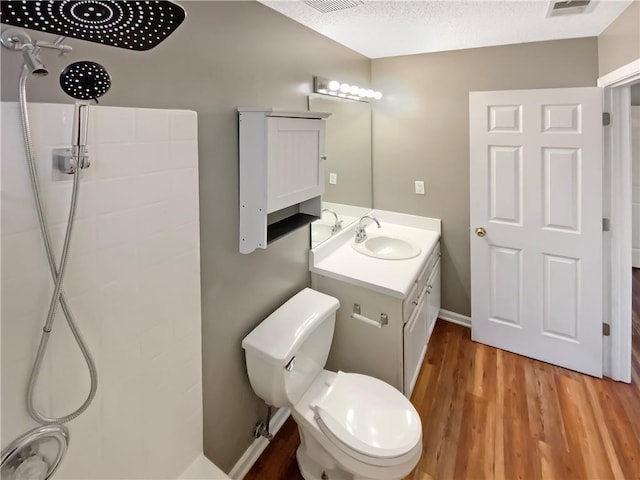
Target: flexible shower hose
[57,273]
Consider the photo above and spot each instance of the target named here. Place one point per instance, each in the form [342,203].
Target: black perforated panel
[126,24]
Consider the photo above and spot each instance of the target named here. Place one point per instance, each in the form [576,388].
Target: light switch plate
[333,179]
[419,187]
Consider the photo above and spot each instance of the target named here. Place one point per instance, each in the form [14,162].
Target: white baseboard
[251,455]
[454,317]
[202,469]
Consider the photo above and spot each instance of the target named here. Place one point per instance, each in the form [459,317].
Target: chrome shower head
[134,25]
[85,80]
[19,40]
[32,61]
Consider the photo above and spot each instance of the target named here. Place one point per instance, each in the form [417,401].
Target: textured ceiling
[390,28]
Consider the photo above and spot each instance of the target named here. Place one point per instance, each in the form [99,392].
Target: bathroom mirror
[348,182]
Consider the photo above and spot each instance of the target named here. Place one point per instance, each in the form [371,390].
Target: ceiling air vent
[568,7]
[326,6]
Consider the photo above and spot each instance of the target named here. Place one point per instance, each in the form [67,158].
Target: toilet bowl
[359,429]
[352,427]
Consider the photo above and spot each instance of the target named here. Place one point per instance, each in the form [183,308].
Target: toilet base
[312,470]
[314,462]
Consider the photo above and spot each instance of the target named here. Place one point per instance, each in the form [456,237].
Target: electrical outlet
[333,179]
[419,187]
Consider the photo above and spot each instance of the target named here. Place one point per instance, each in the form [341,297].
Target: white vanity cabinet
[394,352]
[281,171]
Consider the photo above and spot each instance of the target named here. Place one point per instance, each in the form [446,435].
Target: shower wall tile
[183,126]
[116,125]
[120,160]
[118,194]
[132,282]
[152,125]
[57,201]
[156,187]
[182,154]
[117,228]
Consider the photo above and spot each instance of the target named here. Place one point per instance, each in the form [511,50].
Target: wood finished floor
[487,414]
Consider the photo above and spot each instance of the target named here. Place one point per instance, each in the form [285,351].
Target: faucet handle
[361,233]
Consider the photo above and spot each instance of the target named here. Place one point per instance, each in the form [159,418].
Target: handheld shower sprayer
[83,81]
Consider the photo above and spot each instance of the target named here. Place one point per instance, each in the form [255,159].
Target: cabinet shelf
[289,224]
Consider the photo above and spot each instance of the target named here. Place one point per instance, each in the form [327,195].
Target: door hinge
[606,224]
[606,119]
[606,329]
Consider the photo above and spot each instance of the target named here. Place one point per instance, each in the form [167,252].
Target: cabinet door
[295,161]
[433,289]
[415,345]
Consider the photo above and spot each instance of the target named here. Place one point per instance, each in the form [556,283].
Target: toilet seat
[367,418]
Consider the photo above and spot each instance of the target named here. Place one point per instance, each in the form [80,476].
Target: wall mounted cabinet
[282,157]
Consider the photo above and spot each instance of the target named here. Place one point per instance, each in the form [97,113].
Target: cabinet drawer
[433,259]
[410,302]
[415,294]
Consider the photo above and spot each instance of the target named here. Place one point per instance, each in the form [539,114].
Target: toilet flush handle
[289,366]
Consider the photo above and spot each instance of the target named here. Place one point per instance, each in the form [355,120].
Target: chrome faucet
[361,233]
[337,225]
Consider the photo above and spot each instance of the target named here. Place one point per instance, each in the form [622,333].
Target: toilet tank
[286,352]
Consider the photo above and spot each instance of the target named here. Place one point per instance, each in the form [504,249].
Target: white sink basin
[387,247]
[320,232]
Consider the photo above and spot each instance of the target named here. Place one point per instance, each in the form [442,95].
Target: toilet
[352,426]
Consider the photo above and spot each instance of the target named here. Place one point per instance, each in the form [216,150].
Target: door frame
[617,189]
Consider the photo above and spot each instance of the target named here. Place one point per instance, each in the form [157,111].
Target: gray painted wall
[226,55]
[619,43]
[421,131]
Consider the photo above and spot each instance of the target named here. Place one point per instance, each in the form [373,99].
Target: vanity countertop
[336,258]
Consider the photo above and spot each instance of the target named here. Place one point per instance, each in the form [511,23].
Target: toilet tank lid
[282,332]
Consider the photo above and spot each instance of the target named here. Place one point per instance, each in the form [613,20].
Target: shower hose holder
[66,160]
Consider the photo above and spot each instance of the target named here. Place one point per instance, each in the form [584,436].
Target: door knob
[481,232]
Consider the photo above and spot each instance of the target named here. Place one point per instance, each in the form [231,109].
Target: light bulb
[354,90]
[370,93]
[334,85]
[362,92]
[377,95]
[344,88]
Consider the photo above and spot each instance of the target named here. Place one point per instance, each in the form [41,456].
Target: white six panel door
[635,177]
[536,190]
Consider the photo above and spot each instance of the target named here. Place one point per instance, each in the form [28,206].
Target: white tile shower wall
[133,283]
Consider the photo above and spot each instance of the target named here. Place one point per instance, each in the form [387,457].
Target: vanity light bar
[335,88]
